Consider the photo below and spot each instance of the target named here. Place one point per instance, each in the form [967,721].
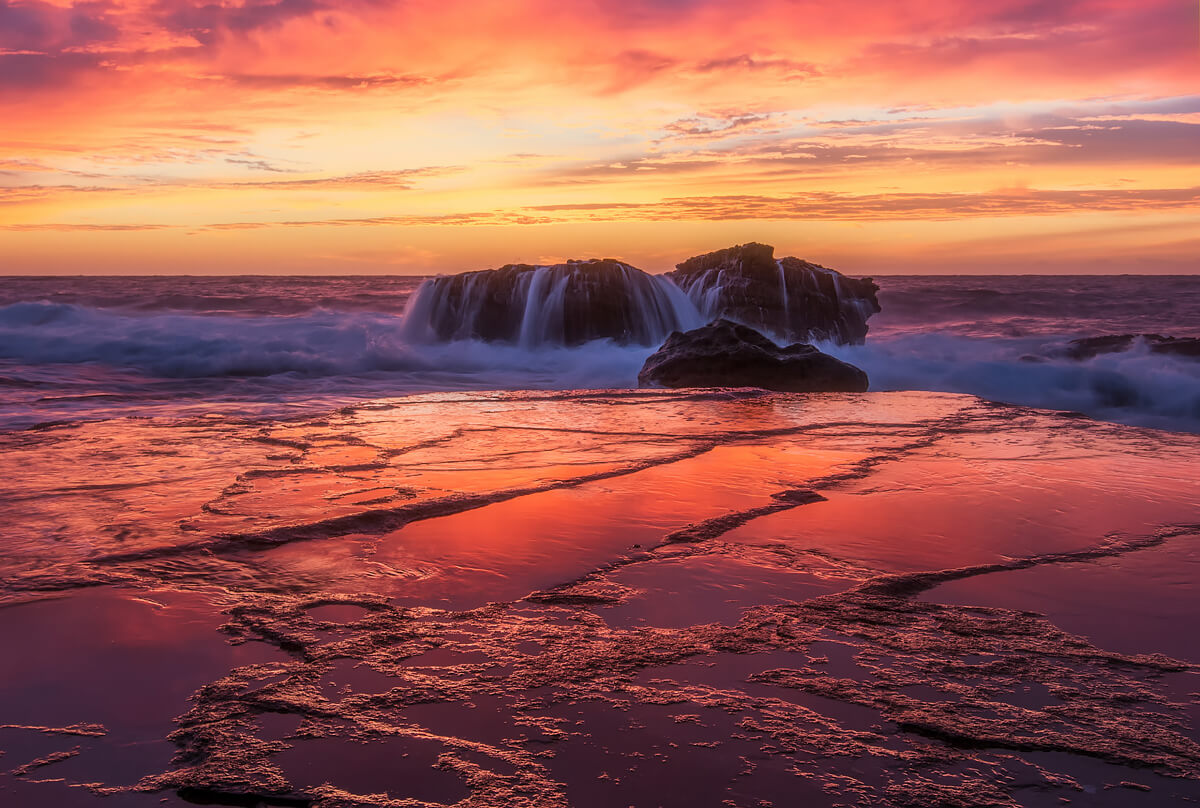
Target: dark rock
[792,299]
[579,301]
[728,354]
[564,304]
[1089,347]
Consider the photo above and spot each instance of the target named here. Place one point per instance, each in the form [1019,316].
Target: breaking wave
[90,341]
[1136,386]
[317,344]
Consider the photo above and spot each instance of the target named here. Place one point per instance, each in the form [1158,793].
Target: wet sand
[599,599]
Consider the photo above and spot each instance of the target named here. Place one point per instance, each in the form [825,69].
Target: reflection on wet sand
[622,598]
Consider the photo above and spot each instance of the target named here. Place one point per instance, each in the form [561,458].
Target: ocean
[97,347]
[269,541]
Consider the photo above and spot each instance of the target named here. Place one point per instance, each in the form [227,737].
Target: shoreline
[643,574]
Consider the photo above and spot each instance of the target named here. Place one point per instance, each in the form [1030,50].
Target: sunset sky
[365,136]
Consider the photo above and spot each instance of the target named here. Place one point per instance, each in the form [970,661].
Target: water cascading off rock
[580,301]
[787,298]
[563,304]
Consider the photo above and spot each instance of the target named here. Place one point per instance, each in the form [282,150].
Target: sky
[368,136]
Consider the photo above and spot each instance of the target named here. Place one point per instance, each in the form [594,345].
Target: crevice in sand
[580,591]
[377,521]
[867,696]
[45,760]
[552,653]
[92,730]
[912,584]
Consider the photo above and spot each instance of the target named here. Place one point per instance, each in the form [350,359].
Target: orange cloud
[179,116]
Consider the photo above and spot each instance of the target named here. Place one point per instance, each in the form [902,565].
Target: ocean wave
[1025,305]
[331,354]
[1135,387]
[313,345]
[235,295]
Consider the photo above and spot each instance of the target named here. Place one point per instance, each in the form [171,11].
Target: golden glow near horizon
[359,137]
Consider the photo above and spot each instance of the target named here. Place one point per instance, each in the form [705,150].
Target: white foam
[1135,386]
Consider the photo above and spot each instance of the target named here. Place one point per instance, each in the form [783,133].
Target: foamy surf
[92,347]
[1134,387]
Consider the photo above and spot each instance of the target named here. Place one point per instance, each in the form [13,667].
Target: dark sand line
[908,585]
[385,520]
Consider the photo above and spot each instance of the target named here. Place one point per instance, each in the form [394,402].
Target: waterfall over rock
[788,299]
[563,304]
[569,304]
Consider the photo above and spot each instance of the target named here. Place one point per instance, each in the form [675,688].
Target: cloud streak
[186,119]
[796,207]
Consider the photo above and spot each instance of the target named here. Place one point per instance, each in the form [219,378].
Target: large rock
[561,304]
[788,298]
[728,354]
[579,301]
[1089,347]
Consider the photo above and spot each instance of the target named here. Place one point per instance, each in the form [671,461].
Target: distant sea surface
[97,347]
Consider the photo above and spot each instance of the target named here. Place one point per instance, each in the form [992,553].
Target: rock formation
[563,304]
[728,354]
[787,298]
[572,303]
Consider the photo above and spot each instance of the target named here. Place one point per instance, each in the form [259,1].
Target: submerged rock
[1089,347]
[728,354]
[789,298]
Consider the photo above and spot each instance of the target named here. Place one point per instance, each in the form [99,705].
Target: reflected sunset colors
[454,578]
[287,522]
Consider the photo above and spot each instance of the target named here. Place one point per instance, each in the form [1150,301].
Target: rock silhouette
[788,298]
[580,301]
[728,354]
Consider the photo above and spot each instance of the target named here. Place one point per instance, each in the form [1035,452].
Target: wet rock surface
[726,354]
[561,304]
[792,299]
[1089,347]
[484,607]
[604,299]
